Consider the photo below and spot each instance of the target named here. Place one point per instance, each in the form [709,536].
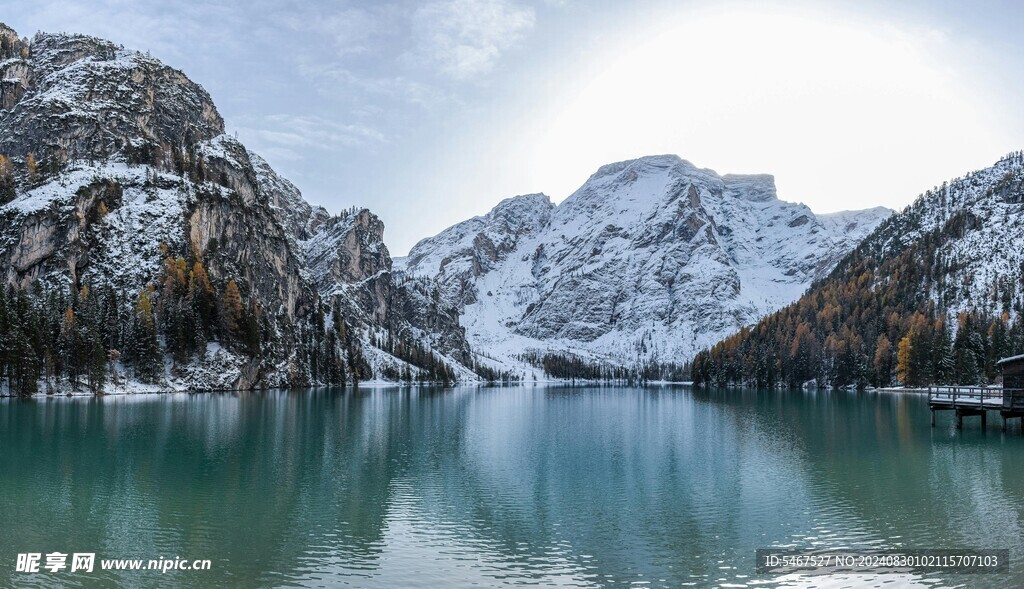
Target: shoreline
[362,385]
[377,384]
[913,390]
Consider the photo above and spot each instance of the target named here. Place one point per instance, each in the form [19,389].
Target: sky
[431,112]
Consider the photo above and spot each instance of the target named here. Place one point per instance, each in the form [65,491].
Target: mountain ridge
[516,283]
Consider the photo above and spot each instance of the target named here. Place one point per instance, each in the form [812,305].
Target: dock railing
[976,397]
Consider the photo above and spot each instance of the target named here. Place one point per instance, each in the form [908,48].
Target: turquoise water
[480,487]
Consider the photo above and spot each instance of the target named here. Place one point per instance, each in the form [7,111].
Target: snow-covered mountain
[976,256]
[932,296]
[130,219]
[649,261]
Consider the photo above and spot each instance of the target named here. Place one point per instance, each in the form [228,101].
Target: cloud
[353,31]
[305,130]
[286,136]
[331,78]
[465,38]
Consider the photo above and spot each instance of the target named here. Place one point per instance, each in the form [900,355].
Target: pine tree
[148,360]
[70,345]
[944,366]
[8,182]
[968,353]
[97,367]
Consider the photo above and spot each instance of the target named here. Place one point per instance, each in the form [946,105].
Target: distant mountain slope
[649,261]
[932,295]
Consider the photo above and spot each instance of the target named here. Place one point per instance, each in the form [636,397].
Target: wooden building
[1013,372]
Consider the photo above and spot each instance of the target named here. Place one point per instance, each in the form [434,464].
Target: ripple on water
[497,487]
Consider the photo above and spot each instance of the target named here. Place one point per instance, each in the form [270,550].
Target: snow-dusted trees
[8,181]
[428,366]
[145,355]
[60,339]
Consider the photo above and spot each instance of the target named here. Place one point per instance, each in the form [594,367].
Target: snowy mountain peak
[858,224]
[648,261]
[68,97]
[650,161]
[629,171]
[486,238]
[514,207]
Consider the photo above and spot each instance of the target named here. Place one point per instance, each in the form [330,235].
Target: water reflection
[548,486]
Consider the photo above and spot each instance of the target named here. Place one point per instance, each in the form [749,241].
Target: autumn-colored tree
[202,298]
[175,283]
[144,307]
[233,310]
[904,369]
[31,166]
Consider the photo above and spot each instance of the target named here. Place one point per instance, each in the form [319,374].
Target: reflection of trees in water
[255,480]
[874,458]
[586,482]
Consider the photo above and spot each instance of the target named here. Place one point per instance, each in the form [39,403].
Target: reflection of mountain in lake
[495,486]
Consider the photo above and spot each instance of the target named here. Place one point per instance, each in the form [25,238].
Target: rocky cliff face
[73,97]
[348,258]
[349,264]
[116,162]
[649,260]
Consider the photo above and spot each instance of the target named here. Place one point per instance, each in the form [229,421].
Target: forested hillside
[933,295]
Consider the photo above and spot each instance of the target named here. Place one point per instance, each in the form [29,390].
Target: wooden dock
[977,401]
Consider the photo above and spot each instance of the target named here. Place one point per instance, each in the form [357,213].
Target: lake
[480,487]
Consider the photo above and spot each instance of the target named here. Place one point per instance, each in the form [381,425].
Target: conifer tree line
[491,374]
[572,367]
[882,317]
[421,364]
[94,338]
